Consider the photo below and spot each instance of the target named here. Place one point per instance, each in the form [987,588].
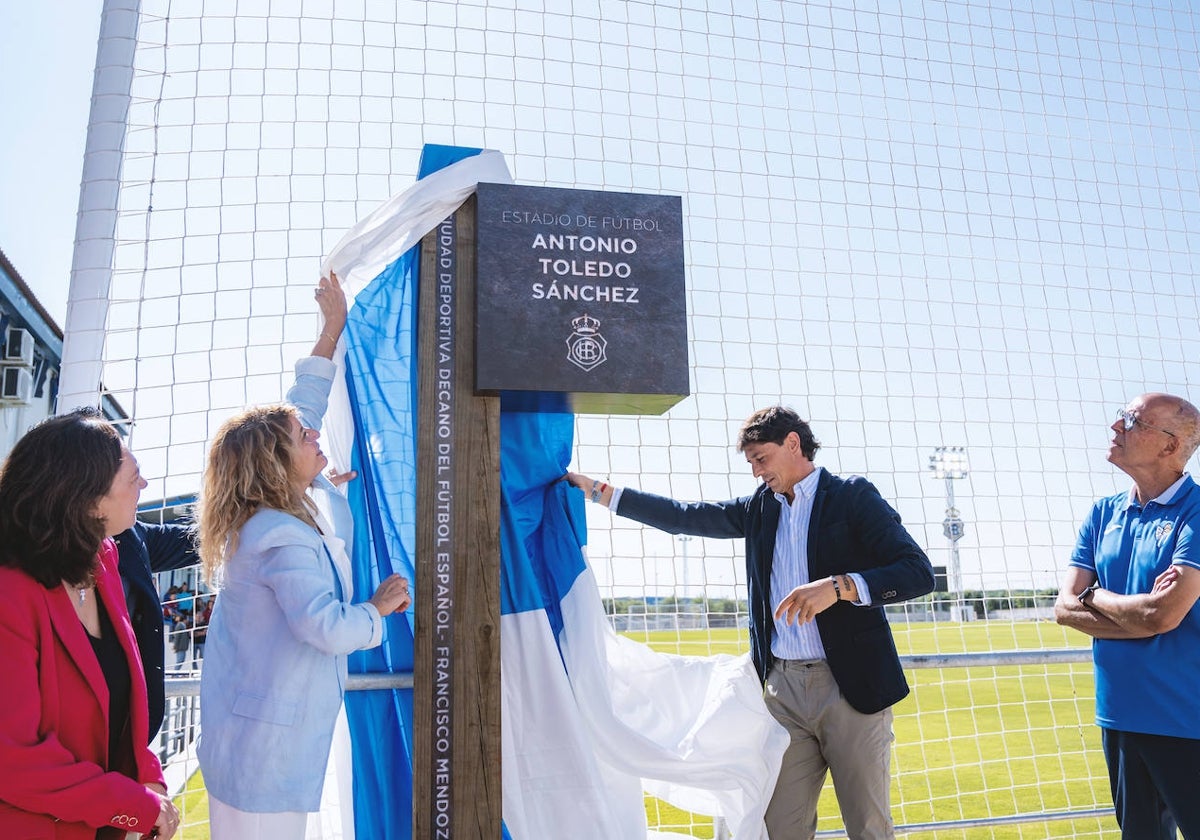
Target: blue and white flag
[370,427]
[590,720]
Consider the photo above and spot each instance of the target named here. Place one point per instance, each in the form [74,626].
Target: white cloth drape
[579,750]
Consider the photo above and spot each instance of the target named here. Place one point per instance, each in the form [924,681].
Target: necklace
[83,590]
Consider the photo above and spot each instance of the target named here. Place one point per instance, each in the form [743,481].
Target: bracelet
[596,491]
[837,590]
[332,340]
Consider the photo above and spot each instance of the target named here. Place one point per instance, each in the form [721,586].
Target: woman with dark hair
[73,725]
[284,619]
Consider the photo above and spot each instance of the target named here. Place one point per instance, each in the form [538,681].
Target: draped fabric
[589,719]
[378,361]
[371,428]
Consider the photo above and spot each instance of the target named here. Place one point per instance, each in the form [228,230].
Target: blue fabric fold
[381,378]
[542,523]
[381,382]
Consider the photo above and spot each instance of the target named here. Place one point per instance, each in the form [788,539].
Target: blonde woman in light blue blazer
[275,658]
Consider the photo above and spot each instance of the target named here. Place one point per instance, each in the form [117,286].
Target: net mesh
[931,224]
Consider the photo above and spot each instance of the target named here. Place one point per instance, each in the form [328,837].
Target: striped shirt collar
[806,488]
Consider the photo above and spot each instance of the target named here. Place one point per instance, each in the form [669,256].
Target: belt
[796,664]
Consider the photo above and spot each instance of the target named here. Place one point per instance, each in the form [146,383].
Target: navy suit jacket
[144,550]
[852,530]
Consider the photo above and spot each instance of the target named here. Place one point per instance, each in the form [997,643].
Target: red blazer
[54,716]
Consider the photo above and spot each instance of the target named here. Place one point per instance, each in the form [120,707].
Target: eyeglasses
[1129,420]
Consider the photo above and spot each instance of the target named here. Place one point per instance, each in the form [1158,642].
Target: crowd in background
[186,615]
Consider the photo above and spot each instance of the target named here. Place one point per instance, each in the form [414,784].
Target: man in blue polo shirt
[1132,585]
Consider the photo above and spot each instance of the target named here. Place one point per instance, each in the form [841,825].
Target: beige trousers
[828,734]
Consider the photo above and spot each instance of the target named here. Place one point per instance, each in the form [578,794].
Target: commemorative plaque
[580,302]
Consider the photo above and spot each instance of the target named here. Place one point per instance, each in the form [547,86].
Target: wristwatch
[1088,592]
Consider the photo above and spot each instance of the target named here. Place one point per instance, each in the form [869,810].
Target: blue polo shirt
[1146,685]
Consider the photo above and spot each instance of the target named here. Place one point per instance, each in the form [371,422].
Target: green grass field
[970,743]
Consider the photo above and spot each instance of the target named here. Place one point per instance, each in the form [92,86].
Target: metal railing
[189,686]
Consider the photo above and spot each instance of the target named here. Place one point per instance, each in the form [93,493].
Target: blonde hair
[251,467]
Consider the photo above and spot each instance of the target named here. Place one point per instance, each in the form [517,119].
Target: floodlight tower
[683,594]
[949,463]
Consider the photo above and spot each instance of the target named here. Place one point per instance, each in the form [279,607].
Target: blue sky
[47,56]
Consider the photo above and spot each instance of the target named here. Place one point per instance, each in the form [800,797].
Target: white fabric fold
[399,223]
[691,730]
[379,240]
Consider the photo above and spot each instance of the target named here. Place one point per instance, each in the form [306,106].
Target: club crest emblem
[1163,531]
[586,347]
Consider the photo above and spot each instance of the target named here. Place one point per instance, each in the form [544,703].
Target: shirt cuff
[376,626]
[316,366]
[614,499]
[864,591]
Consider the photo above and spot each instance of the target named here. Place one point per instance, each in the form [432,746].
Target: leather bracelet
[837,590]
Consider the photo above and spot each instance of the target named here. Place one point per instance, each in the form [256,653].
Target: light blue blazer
[310,395]
[275,667]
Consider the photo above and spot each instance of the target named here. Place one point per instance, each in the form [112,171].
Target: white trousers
[228,823]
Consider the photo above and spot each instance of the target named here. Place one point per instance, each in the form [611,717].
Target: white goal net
[921,224]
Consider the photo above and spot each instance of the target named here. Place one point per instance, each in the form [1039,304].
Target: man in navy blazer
[824,555]
[145,550]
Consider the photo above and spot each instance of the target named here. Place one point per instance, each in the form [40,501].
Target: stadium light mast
[950,463]
[684,539]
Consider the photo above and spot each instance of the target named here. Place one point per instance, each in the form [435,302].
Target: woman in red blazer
[73,725]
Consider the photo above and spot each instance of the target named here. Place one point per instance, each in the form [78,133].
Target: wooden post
[456,701]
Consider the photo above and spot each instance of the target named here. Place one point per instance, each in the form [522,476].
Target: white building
[30,356]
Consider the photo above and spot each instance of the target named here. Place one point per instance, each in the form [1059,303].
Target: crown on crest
[586,324]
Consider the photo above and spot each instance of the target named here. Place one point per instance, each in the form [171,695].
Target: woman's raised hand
[331,300]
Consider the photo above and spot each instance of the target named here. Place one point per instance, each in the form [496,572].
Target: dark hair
[49,488]
[773,425]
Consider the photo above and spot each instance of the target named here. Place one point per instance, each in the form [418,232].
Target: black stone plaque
[580,300]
